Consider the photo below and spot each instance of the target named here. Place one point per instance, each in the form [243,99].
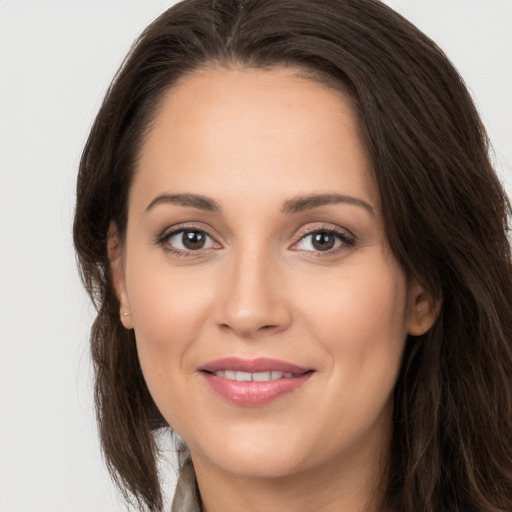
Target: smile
[256,377]
[253,382]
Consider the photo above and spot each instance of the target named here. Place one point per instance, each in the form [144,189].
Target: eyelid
[164,237]
[348,240]
[185,226]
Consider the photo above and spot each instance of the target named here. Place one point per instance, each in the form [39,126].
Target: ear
[115,257]
[422,310]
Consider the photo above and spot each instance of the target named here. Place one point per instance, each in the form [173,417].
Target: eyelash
[347,241]
[164,239]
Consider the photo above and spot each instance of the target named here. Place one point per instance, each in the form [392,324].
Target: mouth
[254,377]
[253,382]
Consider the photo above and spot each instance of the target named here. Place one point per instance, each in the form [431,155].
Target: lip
[253,393]
[262,364]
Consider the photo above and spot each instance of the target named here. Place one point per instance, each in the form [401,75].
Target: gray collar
[186,496]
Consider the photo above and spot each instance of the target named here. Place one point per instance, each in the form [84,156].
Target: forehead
[248,126]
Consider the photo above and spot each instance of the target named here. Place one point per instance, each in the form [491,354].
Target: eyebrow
[295,205]
[302,203]
[190,200]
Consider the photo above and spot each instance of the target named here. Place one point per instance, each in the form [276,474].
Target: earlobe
[115,257]
[423,310]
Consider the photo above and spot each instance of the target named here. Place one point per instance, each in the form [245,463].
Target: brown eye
[193,240]
[189,240]
[323,240]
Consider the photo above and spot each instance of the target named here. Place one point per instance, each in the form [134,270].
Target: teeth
[256,377]
[261,376]
[243,376]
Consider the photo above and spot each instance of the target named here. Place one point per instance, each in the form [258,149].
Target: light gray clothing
[186,496]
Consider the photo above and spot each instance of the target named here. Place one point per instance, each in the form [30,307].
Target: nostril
[248,330]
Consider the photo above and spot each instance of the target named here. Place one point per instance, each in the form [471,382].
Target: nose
[253,301]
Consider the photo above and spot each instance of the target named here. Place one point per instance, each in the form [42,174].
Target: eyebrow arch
[302,203]
[191,200]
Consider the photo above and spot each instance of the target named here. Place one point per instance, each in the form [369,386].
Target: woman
[289,224]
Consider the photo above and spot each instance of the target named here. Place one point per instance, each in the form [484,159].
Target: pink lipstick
[253,382]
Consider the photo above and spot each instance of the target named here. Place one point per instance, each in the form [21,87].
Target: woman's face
[269,313]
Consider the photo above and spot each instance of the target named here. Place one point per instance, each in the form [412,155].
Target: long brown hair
[445,214]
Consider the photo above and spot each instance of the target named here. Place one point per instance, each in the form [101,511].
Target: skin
[251,140]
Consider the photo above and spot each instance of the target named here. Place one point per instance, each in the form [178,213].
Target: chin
[278,449]
[266,465]
[254,454]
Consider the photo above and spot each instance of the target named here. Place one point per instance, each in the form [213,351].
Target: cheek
[168,309]
[360,328]
[359,318]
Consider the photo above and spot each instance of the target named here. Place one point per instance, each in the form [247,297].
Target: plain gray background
[56,60]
